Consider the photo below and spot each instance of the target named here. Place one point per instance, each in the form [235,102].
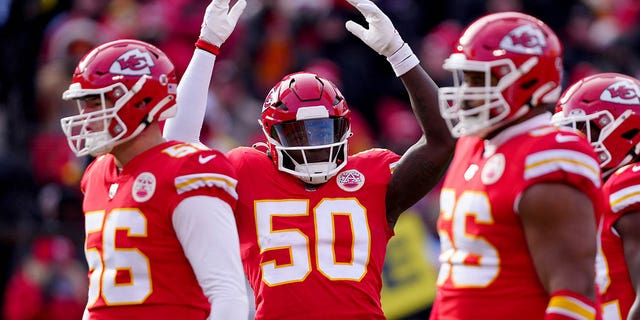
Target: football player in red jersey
[313,221]
[518,204]
[161,240]
[606,107]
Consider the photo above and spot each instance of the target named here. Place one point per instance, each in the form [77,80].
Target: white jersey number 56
[103,266]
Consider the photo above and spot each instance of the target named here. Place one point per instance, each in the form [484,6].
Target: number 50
[297,243]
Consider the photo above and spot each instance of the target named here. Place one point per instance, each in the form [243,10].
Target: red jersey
[137,267]
[314,253]
[486,270]
[616,292]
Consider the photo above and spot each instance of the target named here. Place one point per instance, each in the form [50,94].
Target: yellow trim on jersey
[623,198]
[571,307]
[194,181]
[541,163]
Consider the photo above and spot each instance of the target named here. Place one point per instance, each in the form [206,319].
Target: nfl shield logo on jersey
[350,180]
[144,187]
[493,169]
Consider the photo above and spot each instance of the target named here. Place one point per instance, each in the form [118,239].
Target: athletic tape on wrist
[403,60]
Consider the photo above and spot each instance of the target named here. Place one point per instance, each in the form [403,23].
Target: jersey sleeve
[563,157]
[383,157]
[623,188]
[207,231]
[208,173]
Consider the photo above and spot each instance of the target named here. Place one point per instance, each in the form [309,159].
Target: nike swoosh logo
[562,138]
[206,159]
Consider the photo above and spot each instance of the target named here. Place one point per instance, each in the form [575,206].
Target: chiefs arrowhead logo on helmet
[524,39]
[133,63]
[622,92]
[606,108]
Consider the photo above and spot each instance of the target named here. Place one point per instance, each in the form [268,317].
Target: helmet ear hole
[631,134]
[280,105]
[529,84]
[143,103]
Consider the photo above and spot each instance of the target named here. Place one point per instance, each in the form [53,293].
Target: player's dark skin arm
[628,226]
[422,166]
[560,229]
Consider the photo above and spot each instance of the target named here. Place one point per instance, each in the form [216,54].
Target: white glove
[219,21]
[382,37]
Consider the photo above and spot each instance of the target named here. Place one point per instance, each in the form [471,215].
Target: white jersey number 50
[297,242]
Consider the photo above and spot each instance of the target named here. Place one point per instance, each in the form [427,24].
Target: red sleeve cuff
[206,46]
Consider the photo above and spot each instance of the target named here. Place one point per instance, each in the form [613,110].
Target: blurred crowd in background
[42,270]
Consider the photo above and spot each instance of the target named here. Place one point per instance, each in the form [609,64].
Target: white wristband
[403,60]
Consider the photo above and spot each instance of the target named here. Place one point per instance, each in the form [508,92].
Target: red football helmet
[503,64]
[135,83]
[307,123]
[606,108]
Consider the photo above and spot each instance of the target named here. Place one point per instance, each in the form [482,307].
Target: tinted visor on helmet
[312,132]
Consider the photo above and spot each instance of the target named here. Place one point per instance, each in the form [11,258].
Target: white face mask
[313,150]
[490,107]
[88,132]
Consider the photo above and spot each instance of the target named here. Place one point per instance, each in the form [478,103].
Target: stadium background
[41,230]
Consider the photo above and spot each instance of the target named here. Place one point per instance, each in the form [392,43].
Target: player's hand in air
[219,21]
[382,36]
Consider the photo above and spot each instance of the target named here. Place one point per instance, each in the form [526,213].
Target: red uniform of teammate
[487,271]
[135,256]
[606,107]
[518,205]
[161,241]
[313,222]
[616,289]
[304,247]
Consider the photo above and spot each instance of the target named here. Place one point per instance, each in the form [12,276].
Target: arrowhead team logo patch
[144,187]
[525,39]
[623,92]
[133,62]
[350,180]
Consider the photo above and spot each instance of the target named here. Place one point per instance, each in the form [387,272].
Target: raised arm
[218,23]
[422,166]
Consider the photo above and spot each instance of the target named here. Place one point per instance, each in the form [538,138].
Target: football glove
[219,21]
[382,37]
